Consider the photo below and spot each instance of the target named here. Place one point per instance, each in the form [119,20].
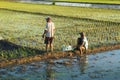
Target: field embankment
[54,55]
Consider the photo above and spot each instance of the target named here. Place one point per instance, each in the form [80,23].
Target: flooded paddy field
[99,66]
[78,4]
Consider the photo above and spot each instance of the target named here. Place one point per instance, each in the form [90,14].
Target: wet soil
[55,55]
[99,66]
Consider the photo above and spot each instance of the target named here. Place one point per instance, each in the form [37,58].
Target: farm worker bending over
[82,43]
[49,33]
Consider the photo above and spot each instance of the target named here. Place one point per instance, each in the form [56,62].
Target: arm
[44,33]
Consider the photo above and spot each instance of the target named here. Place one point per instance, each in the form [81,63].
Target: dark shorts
[48,40]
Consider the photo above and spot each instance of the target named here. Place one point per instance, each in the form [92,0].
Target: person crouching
[82,43]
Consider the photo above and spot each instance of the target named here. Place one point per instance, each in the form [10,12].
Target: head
[48,19]
[82,34]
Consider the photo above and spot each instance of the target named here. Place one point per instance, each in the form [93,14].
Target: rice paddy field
[22,25]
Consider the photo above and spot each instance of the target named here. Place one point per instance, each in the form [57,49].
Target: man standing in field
[49,33]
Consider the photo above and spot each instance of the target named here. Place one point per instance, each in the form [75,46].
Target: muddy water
[100,66]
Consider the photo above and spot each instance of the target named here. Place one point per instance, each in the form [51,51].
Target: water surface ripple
[100,66]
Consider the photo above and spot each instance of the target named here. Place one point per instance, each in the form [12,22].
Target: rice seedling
[74,12]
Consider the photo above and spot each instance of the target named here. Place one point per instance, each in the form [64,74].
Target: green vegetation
[93,1]
[75,12]
[22,25]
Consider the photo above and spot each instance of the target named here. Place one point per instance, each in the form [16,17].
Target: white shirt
[85,42]
[50,29]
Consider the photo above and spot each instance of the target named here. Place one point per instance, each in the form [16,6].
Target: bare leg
[47,47]
[85,50]
[51,47]
[81,50]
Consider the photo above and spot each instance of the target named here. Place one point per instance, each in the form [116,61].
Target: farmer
[49,33]
[82,43]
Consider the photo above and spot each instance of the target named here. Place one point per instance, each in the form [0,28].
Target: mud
[99,66]
[55,55]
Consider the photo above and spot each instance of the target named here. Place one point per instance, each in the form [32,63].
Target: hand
[43,36]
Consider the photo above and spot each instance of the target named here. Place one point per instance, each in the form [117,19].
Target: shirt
[80,41]
[49,29]
[85,42]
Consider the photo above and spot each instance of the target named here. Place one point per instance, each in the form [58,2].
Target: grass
[93,1]
[75,12]
[23,28]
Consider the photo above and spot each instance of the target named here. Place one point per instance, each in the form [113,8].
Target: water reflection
[83,62]
[102,66]
[50,72]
